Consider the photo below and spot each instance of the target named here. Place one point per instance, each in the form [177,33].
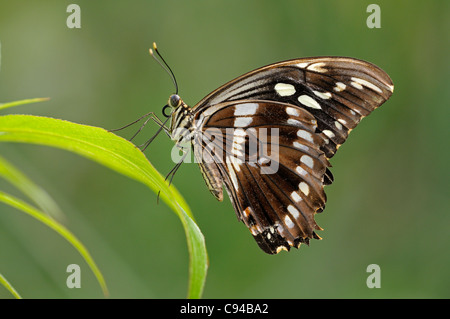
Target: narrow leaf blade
[22,102]
[5,283]
[38,195]
[60,229]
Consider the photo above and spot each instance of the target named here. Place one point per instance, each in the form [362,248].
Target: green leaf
[22,102]
[38,195]
[64,232]
[199,259]
[120,155]
[5,283]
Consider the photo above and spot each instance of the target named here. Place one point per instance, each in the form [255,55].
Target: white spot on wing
[284,89]
[367,84]
[317,67]
[294,122]
[302,65]
[242,121]
[338,125]
[356,85]
[292,111]
[328,133]
[307,160]
[288,221]
[301,146]
[305,135]
[301,171]
[245,109]
[309,101]
[296,197]
[294,211]
[339,87]
[322,95]
[304,188]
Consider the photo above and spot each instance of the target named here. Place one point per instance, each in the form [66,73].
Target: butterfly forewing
[337,91]
[267,137]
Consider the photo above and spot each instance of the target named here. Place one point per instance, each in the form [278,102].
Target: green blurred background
[389,204]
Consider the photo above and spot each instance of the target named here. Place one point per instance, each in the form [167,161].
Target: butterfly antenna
[164,65]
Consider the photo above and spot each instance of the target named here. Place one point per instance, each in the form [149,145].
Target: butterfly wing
[277,187]
[337,91]
[314,103]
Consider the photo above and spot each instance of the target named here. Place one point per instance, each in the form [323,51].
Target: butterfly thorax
[181,127]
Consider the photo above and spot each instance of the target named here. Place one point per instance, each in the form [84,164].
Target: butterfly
[298,112]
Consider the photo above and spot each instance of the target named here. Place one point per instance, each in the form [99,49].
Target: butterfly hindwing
[277,206]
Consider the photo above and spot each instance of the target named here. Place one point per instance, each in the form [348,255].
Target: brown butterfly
[311,105]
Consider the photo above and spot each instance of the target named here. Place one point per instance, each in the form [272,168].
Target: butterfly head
[174,101]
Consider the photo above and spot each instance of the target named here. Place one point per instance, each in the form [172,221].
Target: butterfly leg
[174,170]
[150,116]
[162,126]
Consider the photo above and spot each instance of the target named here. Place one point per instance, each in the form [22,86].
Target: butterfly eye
[174,100]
